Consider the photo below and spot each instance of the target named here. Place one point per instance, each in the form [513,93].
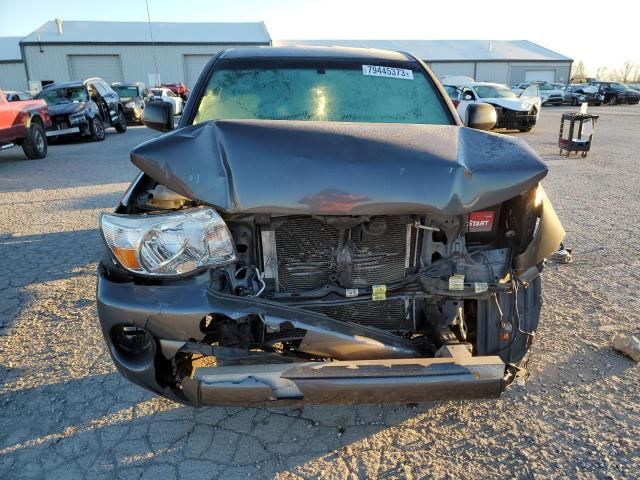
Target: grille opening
[379,252]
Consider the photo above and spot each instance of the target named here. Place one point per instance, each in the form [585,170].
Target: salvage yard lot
[66,413]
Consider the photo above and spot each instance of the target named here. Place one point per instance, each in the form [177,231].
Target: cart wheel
[568,154]
[560,152]
[584,154]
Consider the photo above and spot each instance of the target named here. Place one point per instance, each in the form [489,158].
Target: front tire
[525,129]
[97,129]
[574,101]
[34,145]
[121,126]
[613,100]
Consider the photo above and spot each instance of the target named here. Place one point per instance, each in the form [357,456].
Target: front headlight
[169,244]
[130,104]
[76,118]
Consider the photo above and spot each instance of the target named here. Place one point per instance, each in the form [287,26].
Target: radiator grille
[306,257]
[305,248]
[380,259]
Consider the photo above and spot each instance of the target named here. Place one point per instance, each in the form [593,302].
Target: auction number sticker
[391,72]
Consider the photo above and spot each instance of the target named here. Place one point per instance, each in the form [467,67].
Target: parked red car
[23,123]
[179,89]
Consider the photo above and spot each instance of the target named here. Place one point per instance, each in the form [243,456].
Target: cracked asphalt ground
[65,412]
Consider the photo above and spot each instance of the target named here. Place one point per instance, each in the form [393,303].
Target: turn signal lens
[126,257]
[539,195]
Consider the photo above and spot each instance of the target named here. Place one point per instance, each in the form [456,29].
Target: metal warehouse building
[12,73]
[500,61]
[123,51]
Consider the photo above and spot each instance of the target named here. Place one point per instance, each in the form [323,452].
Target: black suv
[616,92]
[83,108]
[133,97]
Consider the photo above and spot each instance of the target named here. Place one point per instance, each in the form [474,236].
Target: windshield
[55,96]
[494,91]
[125,92]
[618,86]
[547,87]
[335,91]
[156,91]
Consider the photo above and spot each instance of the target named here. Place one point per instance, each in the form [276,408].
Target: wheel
[560,152]
[598,104]
[584,154]
[34,145]
[525,129]
[613,100]
[121,126]
[97,129]
[574,101]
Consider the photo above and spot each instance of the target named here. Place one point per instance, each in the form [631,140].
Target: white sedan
[167,95]
[513,111]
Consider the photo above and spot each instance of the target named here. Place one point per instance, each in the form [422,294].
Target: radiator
[306,248]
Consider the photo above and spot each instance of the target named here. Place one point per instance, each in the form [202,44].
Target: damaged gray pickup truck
[321,228]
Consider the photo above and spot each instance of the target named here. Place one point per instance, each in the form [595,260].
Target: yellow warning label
[456,282]
[378,292]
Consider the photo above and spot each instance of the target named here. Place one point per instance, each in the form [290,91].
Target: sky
[591,38]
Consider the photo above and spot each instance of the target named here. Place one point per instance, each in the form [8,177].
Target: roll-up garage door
[107,67]
[548,76]
[193,65]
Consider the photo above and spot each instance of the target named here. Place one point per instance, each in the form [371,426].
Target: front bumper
[133,114]
[173,314]
[65,125]
[63,131]
[348,382]
[553,101]
[515,119]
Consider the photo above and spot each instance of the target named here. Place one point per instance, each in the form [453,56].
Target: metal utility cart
[577,135]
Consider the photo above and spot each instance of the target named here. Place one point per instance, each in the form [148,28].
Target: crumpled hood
[331,168]
[517,104]
[68,108]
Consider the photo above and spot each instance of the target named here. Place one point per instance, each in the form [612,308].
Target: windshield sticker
[391,72]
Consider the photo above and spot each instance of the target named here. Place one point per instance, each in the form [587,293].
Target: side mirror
[159,116]
[481,116]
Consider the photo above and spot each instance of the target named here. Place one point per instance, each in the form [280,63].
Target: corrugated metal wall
[12,76]
[500,72]
[497,72]
[442,69]
[137,60]
[138,63]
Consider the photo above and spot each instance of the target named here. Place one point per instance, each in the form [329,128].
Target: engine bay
[422,283]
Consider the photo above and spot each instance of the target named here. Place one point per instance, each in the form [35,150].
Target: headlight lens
[170,244]
[130,104]
[76,118]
